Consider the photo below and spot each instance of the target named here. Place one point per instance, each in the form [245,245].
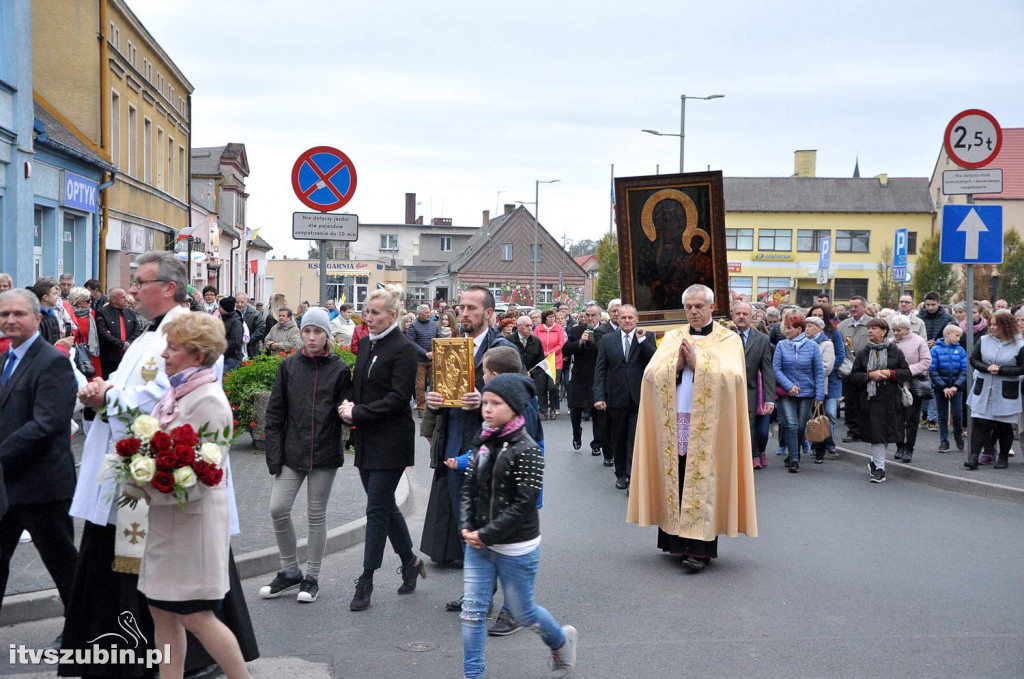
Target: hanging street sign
[971,234]
[824,260]
[899,257]
[973,138]
[963,182]
[324,178]
[320,226]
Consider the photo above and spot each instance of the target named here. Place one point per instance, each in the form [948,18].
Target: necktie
[124,333]
[9,368]
[625,346]
[744,336]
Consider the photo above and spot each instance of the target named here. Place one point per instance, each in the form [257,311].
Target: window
[849,287]
[182,180]
[388,241]
[115,128]
[773,290]
[739,239]
[741,288]
[147,150]
[133,141]
[809,240]
[159,157]
[852,241]
[114,38]
[506,252]
[495,289]
[417,295]
[547,293]
[780,240]
[132,53]
[911,242]
[170,164]
[446,243]
[147,69]
[540,253]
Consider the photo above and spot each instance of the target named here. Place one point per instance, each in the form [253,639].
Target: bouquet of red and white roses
[168,462]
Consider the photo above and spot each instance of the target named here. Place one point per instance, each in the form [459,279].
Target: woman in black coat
[233,332]
[383,382]
[881,367]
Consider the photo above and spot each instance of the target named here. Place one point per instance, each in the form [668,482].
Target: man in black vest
[117,327]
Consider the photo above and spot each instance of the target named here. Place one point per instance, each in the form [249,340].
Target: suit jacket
[759,356]
[108,328]
[35,426]
[3,494]
[384,379]
[616,380]
[584,359]
[531,354]
[257,329]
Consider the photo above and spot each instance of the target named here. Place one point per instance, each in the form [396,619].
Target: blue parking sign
[972,234]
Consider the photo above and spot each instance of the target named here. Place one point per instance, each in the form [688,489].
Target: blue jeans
[517,573]
[931,410]
[944,405]
[232,364]
[794,415]
[760,428]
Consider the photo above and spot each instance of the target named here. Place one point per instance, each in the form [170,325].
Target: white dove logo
[125,621]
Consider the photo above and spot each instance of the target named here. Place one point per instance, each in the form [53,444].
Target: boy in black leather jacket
[501,527]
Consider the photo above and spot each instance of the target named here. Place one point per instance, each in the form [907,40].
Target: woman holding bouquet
[184,571]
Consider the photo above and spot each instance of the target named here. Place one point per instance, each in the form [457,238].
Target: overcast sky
[456,100]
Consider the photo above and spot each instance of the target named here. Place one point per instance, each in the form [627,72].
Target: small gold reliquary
[453,370]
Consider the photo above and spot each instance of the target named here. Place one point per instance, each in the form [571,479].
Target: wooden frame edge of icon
[441,346]
[720,270]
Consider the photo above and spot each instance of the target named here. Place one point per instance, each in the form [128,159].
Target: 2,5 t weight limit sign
[973,138]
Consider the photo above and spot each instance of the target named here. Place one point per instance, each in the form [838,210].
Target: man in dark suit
[621,360]
[253,321]
[37,400]
[117,327]
[531,351]
[758,350]
[582,344]
[612,324]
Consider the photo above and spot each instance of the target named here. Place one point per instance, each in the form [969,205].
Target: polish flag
[186,232]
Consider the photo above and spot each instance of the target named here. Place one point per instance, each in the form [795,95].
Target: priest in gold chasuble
[692,470]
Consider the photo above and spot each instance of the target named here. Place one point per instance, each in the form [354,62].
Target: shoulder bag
[818,427]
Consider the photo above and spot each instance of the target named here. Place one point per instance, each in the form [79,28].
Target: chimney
[804,163]
[410,208]
[487,217]
[509,207]
[883,179]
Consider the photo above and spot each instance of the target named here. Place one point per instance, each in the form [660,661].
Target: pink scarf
[182,383]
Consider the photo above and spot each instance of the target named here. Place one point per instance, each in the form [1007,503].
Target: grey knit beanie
[515,390]
[317,316]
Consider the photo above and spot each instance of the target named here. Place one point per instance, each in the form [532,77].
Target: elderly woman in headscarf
[881,367]
[995,398]
[919,359]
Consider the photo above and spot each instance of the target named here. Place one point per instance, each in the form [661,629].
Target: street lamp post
[536,221]
[682,125]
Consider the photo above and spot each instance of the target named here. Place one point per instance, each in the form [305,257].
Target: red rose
[252,424]
[235,422]
[200,467]
[185,436]
[160,443]
[128,447]
[213,476]
[166,461]
[185,454]
[163,482]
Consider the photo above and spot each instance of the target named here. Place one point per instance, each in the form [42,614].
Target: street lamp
[536,221]
[682,125]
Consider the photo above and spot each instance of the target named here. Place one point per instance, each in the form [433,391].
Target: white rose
[145,426]
[112,460]
[184,477]
[211,453]
[142,468]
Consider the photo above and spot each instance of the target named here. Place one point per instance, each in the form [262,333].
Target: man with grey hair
[581,346]
[422,332]
[906,307]
[66,281]
[254,322]
[760,381]
[612,324]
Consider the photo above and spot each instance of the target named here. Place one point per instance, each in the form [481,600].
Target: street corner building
[716,495]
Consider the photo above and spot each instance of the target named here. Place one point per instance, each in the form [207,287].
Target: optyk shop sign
[79,192]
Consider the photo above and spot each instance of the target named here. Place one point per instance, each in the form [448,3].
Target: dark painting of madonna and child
[671,235]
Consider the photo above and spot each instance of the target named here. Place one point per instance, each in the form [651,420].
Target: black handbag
[921,386]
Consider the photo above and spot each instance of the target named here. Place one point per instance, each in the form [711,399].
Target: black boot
[361,600]
[409,572]
[908,453]
[972,460]
[1002,461]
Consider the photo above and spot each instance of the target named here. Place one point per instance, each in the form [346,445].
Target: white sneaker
[563,660]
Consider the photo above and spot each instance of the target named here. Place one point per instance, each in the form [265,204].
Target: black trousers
[621,432]
[911,424]
[851,399]
[984,432]
[53,534]
[596,424]
[384,520]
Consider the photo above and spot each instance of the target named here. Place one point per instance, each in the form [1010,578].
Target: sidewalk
[30,594]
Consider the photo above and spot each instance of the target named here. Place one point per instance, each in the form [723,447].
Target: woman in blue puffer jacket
[799,372]
[948,372]
[833,383]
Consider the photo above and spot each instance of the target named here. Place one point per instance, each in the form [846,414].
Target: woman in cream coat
[184,571]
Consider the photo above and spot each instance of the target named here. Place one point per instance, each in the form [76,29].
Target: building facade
[774,227]
[347,280]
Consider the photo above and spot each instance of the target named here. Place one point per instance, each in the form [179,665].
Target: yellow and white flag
[547,364]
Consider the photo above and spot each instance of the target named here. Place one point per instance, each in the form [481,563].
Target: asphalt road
[847,579]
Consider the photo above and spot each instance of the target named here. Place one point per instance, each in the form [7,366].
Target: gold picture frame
[453,371]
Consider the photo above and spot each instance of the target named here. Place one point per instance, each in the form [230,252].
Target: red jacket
[361,331]
[552,339]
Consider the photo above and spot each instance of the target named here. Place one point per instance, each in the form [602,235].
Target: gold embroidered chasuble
[718,485]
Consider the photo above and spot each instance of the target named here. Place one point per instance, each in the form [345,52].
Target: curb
[46,603]
[993,491]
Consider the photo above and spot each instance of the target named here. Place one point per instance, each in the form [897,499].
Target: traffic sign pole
[969,268]
[323,273]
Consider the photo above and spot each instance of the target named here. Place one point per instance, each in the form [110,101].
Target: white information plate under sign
[963,182]
[324,226]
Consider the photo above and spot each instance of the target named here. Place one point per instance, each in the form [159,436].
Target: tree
[984,277]
[931,274]
[335,250]
[583,248]
[888,291]
[1011,271]
[607,270]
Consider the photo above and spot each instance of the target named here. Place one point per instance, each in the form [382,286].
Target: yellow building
[347,280]
[124,97]
[774,227]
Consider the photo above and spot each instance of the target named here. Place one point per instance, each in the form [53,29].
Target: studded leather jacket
[499,494]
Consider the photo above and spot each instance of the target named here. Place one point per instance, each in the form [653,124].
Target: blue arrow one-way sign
[972,234]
